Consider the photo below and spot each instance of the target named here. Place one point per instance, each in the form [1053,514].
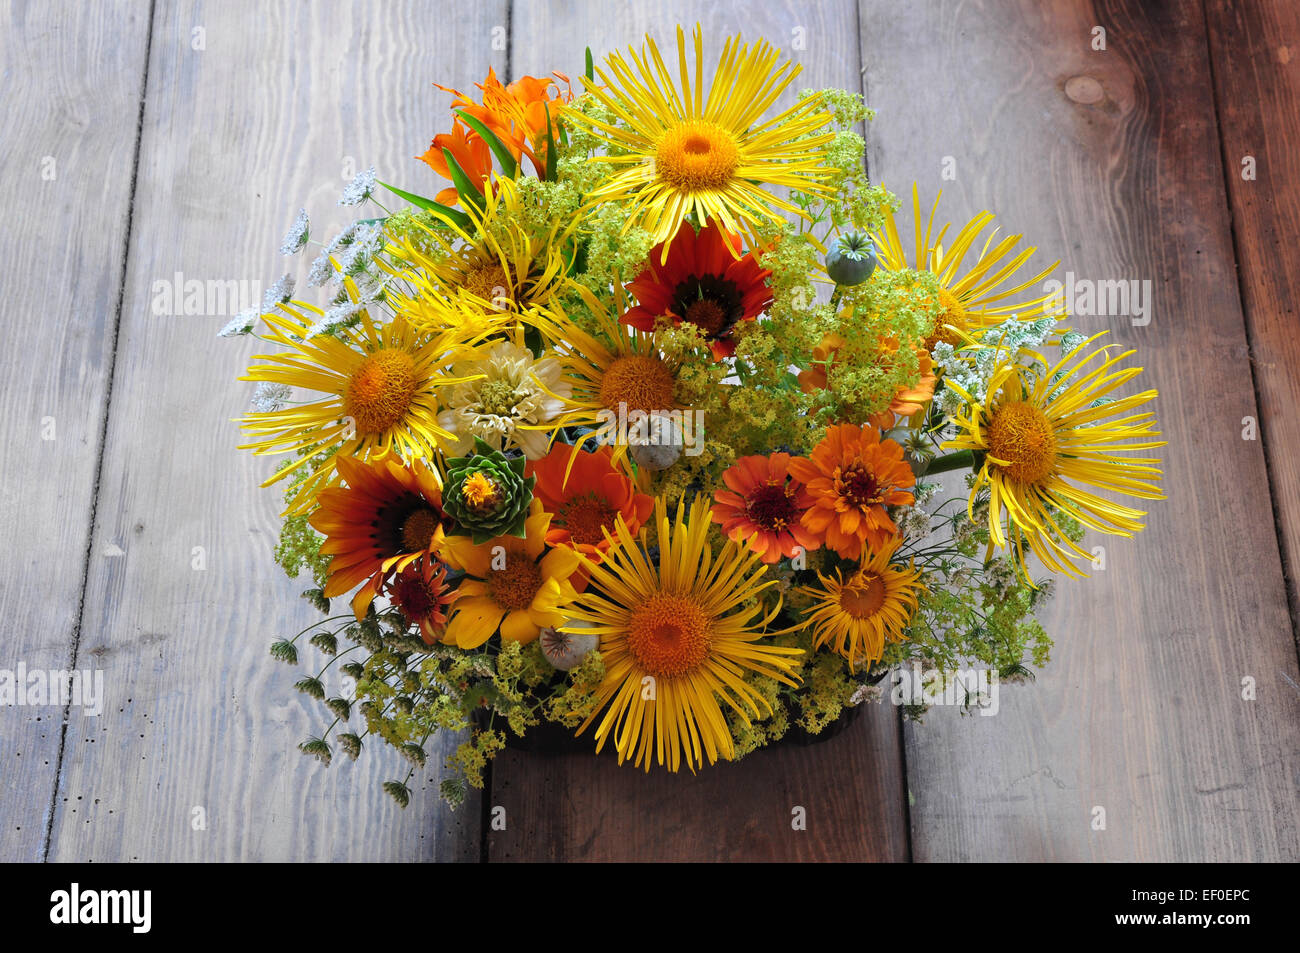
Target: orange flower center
[863,595]
[858,485]
[514,587]
[697,155]
[380,391]
[585,517]
[1021,434]
[488,281]
[668,636]
[418,529]
[771,506]
[481,493]
[641,381]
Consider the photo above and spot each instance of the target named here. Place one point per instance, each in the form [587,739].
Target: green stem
[957,460]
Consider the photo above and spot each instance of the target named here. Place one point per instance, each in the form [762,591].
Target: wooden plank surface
[269,114]
[72,87]
[1110,160]
[576,807]
[1255,52]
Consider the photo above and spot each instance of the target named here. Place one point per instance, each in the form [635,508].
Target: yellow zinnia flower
[677,637]
[857,615]
[517,584]
[981,297]
[674,151]
[1043,436]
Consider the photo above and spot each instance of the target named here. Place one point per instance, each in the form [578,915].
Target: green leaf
[505,158]
[591,66]
[550,145]
[455,216]
[465,188]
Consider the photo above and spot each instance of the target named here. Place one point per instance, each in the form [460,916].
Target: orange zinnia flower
[471,154]
[852,475]
[585,498]
[762,507]
[704,281]
[422,595]
[387,517]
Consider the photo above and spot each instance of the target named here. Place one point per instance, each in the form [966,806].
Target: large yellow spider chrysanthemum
[1044,436]
[857,615]
[673,151]
[984,295]
[677,638]
[496,264]
[380,383]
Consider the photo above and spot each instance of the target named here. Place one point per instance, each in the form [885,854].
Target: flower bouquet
[638,428]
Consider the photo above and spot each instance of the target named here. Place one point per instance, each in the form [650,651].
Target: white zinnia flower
[510,404]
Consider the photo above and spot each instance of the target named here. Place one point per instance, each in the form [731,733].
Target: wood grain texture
[576,807]
[1141,711]
[270,113]
[72,85]
[1255,51]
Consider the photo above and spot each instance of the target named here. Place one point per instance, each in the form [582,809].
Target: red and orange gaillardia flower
[421,594]
[387,516]
[852,476]
[704,281]
[585,494]
[762,507]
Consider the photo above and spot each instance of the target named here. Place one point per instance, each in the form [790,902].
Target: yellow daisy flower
[858,615]
[1042,437]
[677,637]
[381,384]
[516,584]
[673,150]
[985,295]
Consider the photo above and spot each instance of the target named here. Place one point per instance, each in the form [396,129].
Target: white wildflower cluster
[367,241]
[242,323]
[297,236]
[866,693]
[1014,335]
[338,317]
[269,397]
[278,293]
[1071,341]
[359,189]
[912,521]
[1002,575]
[924,492]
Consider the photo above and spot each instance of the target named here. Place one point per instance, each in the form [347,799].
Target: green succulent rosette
[487,493]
